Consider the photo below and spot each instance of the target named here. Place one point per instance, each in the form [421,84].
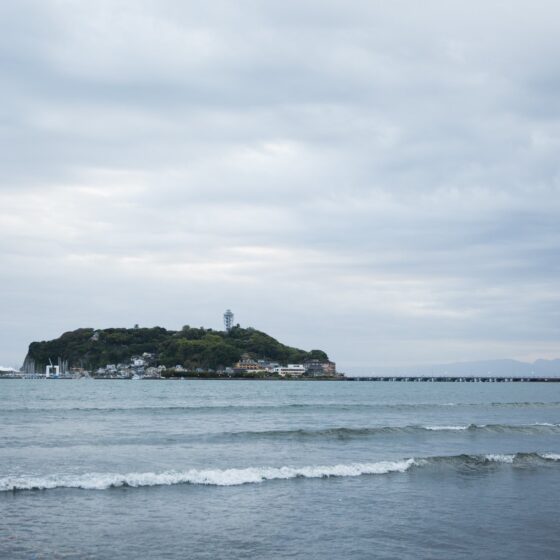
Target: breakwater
[463,379]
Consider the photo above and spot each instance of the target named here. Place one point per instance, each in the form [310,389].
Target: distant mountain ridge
[502,368]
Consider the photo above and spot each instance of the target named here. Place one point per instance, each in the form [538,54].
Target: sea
[208,469]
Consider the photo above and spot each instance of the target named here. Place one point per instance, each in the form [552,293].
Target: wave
[351,433]
[335,406]
[255,475]
[537,427]
[336,433]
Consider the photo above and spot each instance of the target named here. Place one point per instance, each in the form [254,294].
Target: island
[158,353]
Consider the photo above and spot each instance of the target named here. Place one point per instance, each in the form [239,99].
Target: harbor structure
[52,371]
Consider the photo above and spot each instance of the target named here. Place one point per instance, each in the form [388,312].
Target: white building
[291,370]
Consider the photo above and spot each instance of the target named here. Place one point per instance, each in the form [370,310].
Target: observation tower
[228,319]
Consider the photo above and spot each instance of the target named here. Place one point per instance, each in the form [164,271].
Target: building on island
[291,370]
[247,364]
[329,368]
[310,368]
[318,368]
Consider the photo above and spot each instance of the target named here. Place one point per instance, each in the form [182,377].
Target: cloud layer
[380,180]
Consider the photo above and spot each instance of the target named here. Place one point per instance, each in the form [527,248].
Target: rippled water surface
[244,469]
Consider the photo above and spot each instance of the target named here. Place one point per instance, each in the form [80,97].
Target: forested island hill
[157,352]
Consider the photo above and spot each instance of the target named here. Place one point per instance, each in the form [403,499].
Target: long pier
[457,379]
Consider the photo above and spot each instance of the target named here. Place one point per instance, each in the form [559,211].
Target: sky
[380,180]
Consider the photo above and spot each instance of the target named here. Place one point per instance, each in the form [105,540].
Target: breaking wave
[255,475]
[211,477]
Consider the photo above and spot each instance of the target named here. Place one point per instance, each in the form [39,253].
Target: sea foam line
[255,475]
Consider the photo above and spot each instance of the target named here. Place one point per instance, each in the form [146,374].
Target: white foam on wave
[509,458]
[216,477]
[551,456]
[500,458]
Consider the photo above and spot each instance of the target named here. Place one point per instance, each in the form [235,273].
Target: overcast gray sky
[377,179]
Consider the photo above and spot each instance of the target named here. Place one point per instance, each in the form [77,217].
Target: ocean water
[253,469]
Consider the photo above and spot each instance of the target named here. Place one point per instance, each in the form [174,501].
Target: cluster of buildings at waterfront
[145,367]
[310,368]
[138,367]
